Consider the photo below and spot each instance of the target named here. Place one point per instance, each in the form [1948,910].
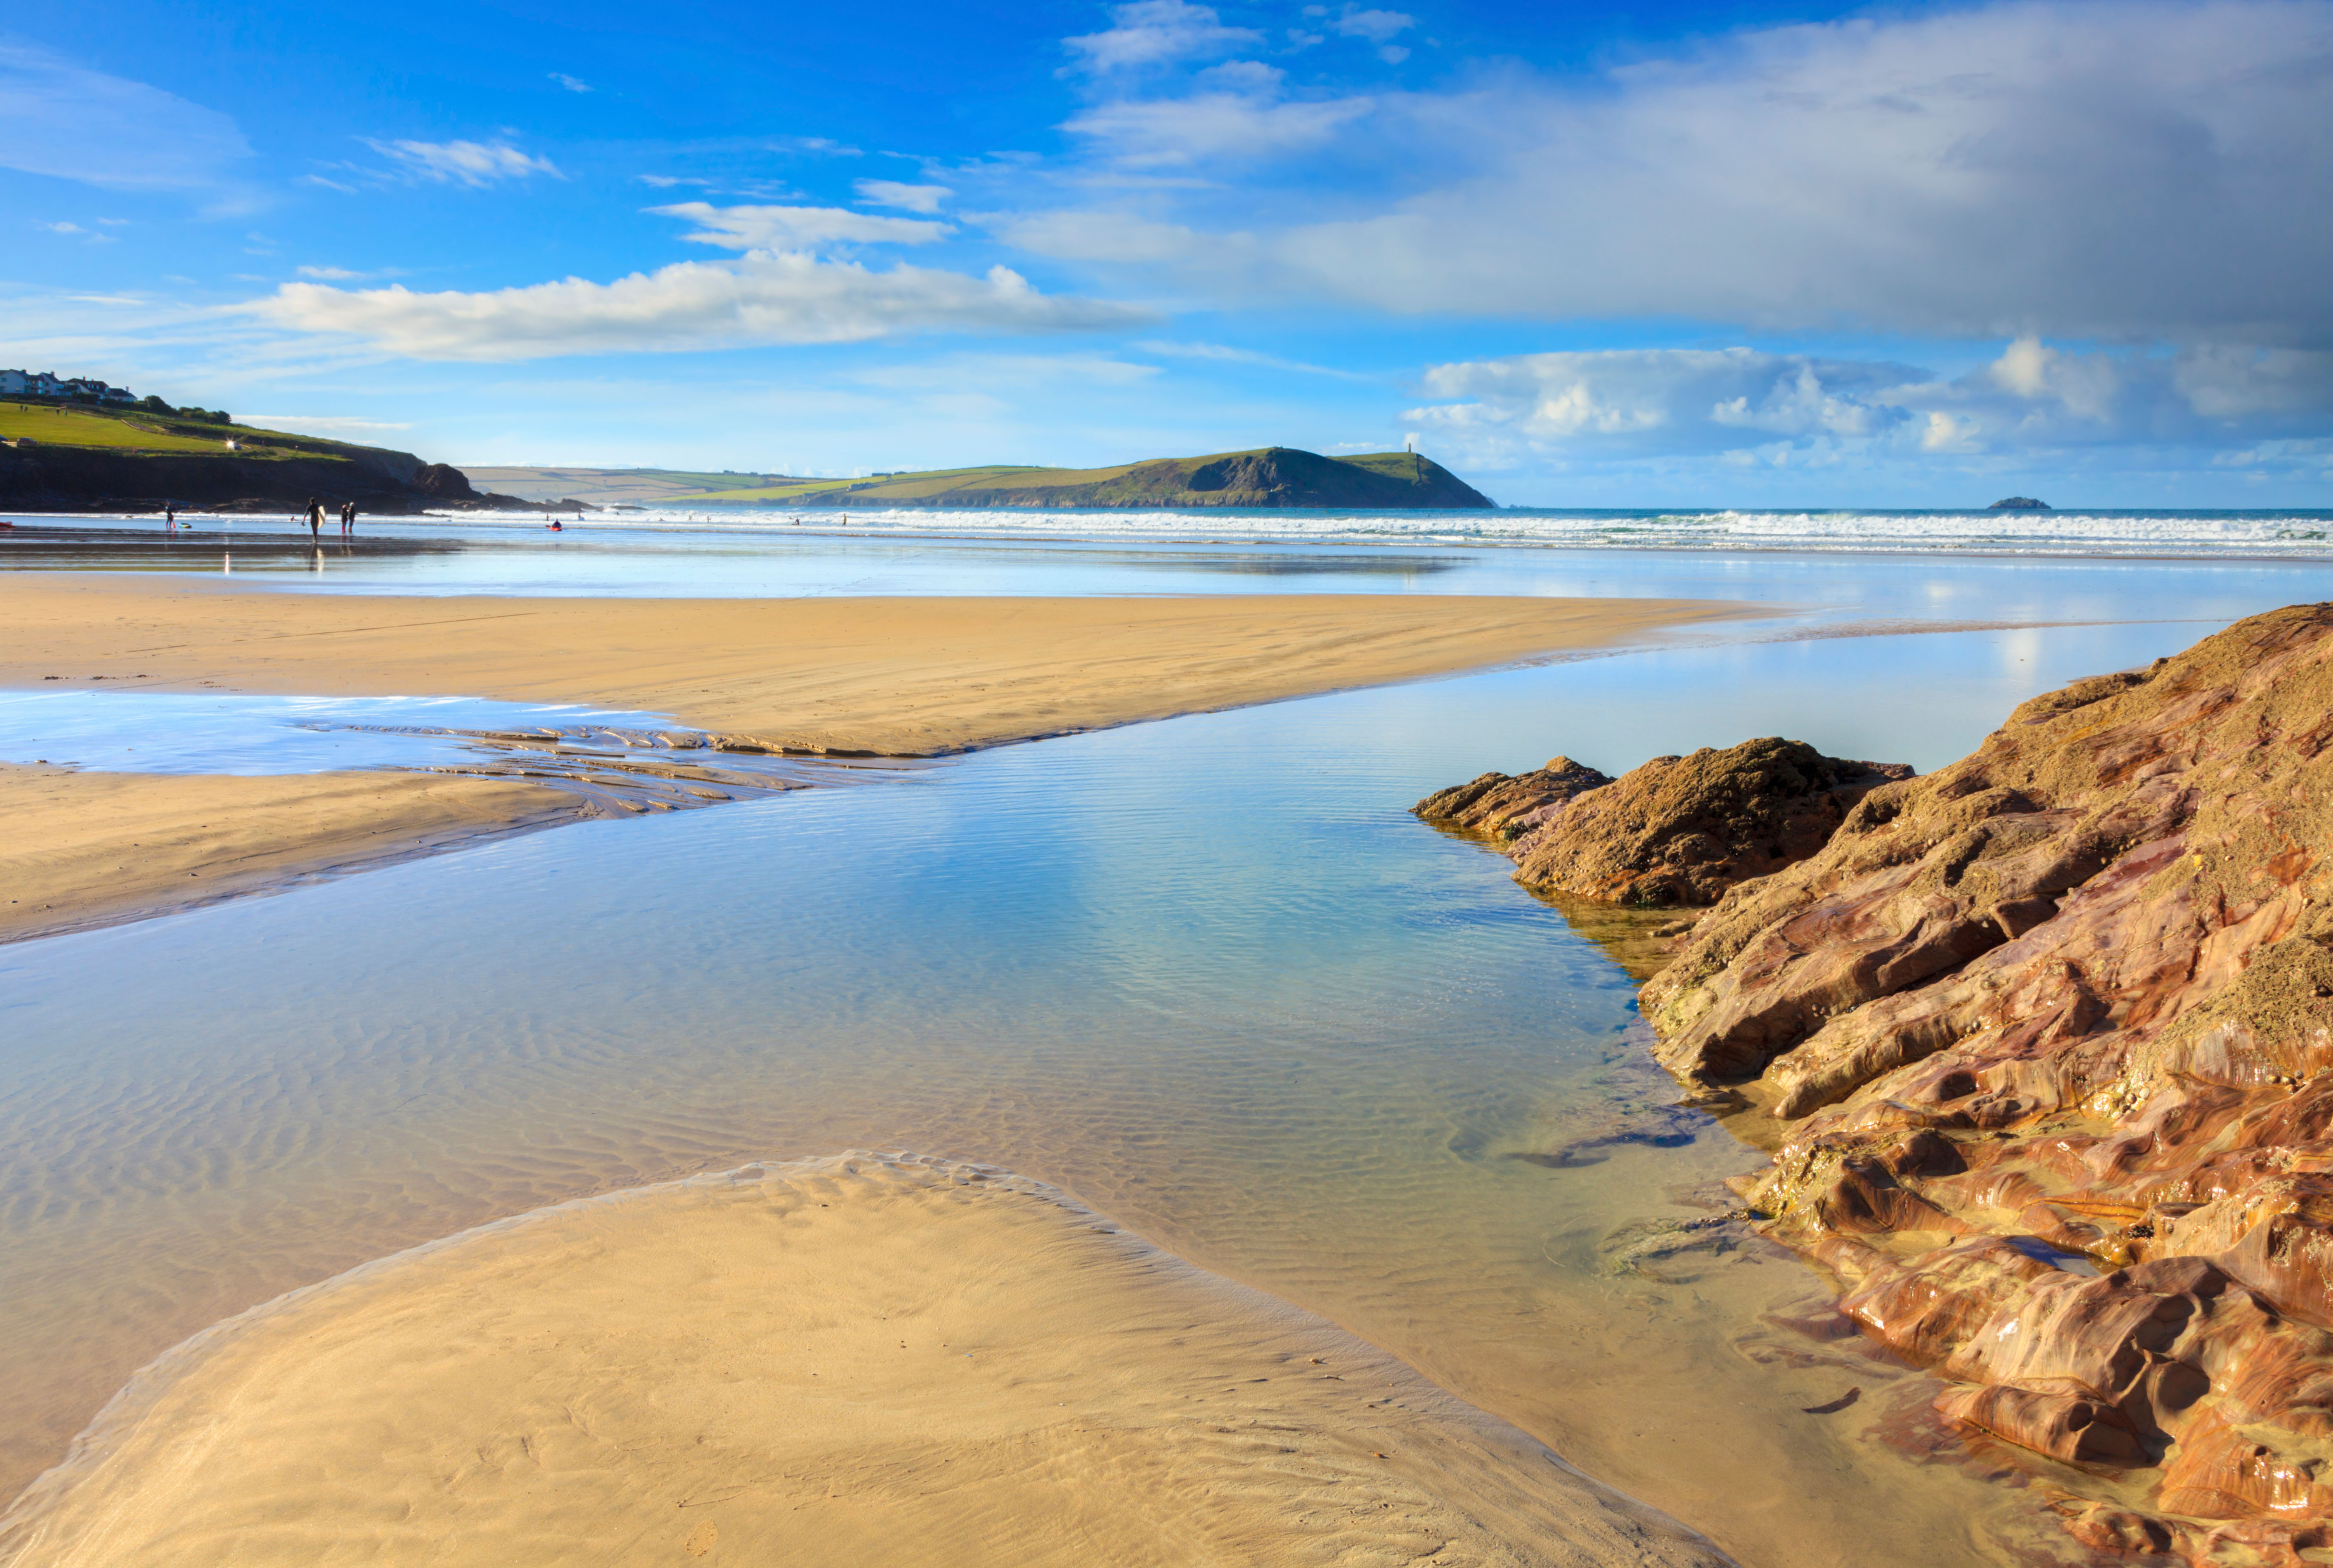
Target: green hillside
[133,429]
[57,456]
[1263,477]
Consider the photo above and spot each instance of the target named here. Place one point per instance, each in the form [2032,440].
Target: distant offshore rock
[2046,1039]
[2019,503]
[1677,832]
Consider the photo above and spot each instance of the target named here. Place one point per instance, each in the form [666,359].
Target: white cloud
[476,164]
[58,118]
[1211,126]
[761,299]
[892,193]
[2034,397]
[330,274]
[62,227]
[569,83]
[760,228]
[1225,353]
[1158,33]
[2130,169]
[1248,76]
[1377,26]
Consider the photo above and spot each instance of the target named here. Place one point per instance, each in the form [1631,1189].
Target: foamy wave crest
[2131,533]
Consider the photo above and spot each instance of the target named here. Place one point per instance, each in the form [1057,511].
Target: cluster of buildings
[40,384]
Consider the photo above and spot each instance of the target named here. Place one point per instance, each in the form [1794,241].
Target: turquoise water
[1207,974]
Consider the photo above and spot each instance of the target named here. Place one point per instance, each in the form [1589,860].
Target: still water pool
[1207,974]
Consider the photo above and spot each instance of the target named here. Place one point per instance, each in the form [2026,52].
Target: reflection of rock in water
[1640,940]
[1672,1251]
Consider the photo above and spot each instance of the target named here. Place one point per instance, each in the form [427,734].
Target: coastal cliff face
[1674,833]
[2050,1036]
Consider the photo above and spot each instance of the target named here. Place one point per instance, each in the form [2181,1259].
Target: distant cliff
[1269,476]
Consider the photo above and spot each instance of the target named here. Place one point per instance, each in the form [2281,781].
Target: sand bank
[899,676]
[833,1362]
[89,849]
[895,676]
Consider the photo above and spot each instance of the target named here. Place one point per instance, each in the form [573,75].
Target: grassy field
[126,430]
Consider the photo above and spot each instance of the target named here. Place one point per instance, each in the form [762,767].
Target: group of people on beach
[316,518]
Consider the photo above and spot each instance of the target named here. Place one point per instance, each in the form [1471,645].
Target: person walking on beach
[348,519]
[315,520]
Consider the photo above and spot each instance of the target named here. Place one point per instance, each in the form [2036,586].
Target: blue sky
[1681,256]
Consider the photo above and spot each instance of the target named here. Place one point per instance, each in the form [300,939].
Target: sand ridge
[848,1360]
[895,676]
[899,676]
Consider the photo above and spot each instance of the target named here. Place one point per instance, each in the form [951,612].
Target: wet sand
[895,676]
[837,1361]
[87,849]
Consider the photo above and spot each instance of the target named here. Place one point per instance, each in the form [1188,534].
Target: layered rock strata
[2049,1036]
[1674,833]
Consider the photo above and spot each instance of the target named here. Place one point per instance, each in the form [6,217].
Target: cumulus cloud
[58,118]
[892,193]
[2134,170]
[763,298]
[760,228]
[1157,33]
[2032,397]
[476,164]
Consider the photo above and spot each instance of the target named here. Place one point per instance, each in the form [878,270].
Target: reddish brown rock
[1674,833]
[2050,1033]
[1503,807]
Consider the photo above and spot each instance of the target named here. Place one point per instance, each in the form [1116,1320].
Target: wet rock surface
[2046,1039]
[1677,832]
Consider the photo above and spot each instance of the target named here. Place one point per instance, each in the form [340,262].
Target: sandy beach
[894,676]
[848,1360]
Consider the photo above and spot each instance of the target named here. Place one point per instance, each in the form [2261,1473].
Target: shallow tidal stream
[1207,974]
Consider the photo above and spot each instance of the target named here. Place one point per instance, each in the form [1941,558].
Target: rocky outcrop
[2050,1035]
[1675,833]
[1504,807]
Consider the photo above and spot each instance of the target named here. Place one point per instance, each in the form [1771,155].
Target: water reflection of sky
[1208,974]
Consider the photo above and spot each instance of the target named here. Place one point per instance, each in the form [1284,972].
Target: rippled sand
[850,1360]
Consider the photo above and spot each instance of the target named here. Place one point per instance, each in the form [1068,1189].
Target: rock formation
[1675,833]
[2050,1034]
